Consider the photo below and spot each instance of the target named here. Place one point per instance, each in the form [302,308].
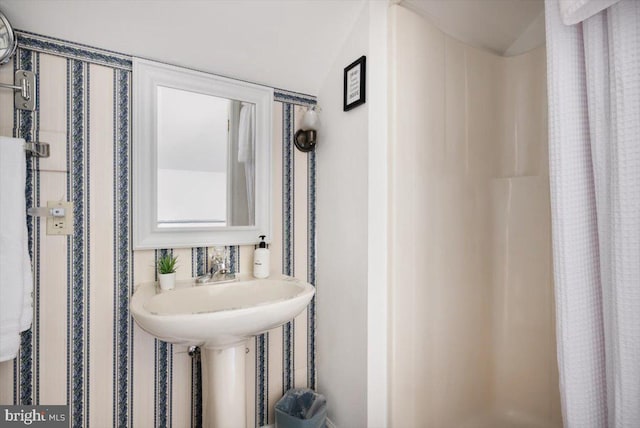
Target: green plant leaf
[167,264]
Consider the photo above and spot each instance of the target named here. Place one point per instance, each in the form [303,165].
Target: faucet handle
[219,259]
[219,253]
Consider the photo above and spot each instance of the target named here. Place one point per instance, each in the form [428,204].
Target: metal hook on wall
[24,82]
[25,88]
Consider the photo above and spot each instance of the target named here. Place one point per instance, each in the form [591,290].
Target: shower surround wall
[84,349]
[471,294]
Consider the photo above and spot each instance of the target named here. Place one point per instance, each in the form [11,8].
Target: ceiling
[287,44]
[279,43]
[505,27]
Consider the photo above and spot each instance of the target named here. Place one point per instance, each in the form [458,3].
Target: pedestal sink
[220,317]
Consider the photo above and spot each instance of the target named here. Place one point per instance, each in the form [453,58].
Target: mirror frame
[147,76]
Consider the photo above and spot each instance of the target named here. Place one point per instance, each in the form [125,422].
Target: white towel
[15,267]
[245,134]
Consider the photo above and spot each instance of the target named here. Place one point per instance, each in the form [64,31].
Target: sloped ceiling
[505,27]
[288,44]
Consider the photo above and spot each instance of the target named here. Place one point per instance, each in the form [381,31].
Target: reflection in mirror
[205,160]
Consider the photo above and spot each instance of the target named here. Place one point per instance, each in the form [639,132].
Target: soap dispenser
[261,260]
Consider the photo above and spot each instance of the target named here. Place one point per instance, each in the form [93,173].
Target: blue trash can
[301,408]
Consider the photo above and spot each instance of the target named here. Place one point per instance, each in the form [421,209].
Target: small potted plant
[167,271]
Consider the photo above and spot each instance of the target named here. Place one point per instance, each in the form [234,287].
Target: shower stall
[472,340]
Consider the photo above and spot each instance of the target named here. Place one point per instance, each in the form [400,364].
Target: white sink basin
[218,315]
[220,318]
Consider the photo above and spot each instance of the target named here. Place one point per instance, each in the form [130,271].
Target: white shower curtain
[594,149]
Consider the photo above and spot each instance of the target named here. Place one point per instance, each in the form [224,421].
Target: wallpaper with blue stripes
[84,349]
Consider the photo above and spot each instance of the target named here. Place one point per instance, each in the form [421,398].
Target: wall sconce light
[305,138]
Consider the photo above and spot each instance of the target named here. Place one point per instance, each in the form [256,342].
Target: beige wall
[471,326]
[342,251]
[525,368]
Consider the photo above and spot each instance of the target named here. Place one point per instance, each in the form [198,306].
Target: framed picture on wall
[355,75]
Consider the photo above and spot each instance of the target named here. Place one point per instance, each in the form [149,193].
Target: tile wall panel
[84,349]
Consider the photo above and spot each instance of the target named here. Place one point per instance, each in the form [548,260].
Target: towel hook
[37,150]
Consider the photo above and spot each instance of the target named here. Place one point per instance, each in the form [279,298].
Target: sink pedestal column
[223,387]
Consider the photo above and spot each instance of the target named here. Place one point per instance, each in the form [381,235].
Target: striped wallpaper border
[26,370]
[123,326]
[262,379]
[289,97]
[78,93]
[311,271]
[51,45]
[69,238]
[77,51]
[34,165]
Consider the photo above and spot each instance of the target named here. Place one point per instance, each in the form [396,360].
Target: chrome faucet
[218,264]
[219,271]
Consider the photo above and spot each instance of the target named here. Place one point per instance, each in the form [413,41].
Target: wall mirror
[201,158]
[8,42]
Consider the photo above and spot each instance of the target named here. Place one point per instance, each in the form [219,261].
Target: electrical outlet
[60,218]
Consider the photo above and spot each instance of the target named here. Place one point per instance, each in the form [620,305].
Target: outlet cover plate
[60,225]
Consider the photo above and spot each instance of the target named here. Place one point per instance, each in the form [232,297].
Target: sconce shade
[305,137]
[311,120]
